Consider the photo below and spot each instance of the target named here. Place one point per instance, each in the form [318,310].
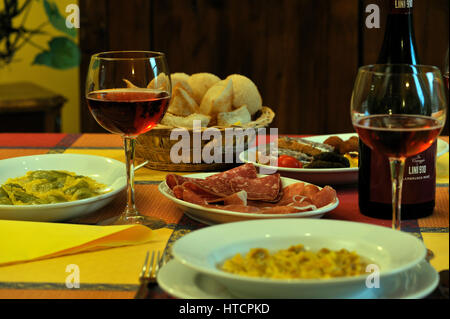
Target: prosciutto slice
[324,197]
[188,195]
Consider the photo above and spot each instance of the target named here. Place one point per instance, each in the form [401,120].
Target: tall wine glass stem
[397,166]
[129,144]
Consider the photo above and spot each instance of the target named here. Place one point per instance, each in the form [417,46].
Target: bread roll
[161,82]
[245,92]
[200,84]
[182,79]
[218,98]
[237,117]
[182,103]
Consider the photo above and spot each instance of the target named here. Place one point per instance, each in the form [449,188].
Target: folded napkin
[442,169]
[25,241]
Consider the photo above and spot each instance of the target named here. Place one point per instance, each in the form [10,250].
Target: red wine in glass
[398,136]
[128,111]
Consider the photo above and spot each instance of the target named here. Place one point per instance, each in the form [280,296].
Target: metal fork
[147,277]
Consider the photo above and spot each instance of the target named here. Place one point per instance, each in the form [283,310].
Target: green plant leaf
[57,20]
[63,54]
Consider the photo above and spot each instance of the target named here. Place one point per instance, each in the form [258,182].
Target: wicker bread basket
[155,146]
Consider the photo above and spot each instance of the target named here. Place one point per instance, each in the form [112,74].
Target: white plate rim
[163,188]
[65,204]
[191,274]
[217,273]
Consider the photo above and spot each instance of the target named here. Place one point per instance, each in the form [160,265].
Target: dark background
[302,54]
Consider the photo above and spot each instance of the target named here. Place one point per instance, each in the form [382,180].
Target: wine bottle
[419,182]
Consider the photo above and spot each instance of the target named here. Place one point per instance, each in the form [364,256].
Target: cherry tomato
[289,161]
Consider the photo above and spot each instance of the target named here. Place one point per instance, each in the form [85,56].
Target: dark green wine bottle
[419,183]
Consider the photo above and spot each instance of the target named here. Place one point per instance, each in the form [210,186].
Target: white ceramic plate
[393,252]
[104,170]
[183,282]
[211,216]
[325,176]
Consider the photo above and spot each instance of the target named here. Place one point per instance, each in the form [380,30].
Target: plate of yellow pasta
[299,258]
[57,187]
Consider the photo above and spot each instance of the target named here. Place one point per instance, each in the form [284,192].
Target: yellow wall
[64,82]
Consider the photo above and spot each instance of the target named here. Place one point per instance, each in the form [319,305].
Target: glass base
[151,222]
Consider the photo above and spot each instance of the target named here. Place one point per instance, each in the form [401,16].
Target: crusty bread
[182,79]
[182,103]
[245,92]
[218,99]
[129,84]
[185,121]
[237,117]
[200,84]
[161,82]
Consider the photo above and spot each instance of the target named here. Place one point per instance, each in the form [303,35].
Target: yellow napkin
[25,241]
[442,169]
[438,243]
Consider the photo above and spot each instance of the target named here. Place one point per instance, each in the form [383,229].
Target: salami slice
[218,186]
[246,171]
[264,188]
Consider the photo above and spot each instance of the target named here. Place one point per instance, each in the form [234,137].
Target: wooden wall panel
[129,24]
[94,35]
[293,56]
[342,66]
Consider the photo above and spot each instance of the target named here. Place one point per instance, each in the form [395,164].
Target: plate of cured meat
[242,194]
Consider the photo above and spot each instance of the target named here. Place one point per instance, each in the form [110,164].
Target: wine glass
[446,78]
[128,93]
[398,110]
[446,71]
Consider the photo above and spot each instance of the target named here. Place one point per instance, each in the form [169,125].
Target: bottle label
[403,4]
[419,178]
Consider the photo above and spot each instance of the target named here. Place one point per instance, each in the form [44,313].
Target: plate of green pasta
[58,187]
